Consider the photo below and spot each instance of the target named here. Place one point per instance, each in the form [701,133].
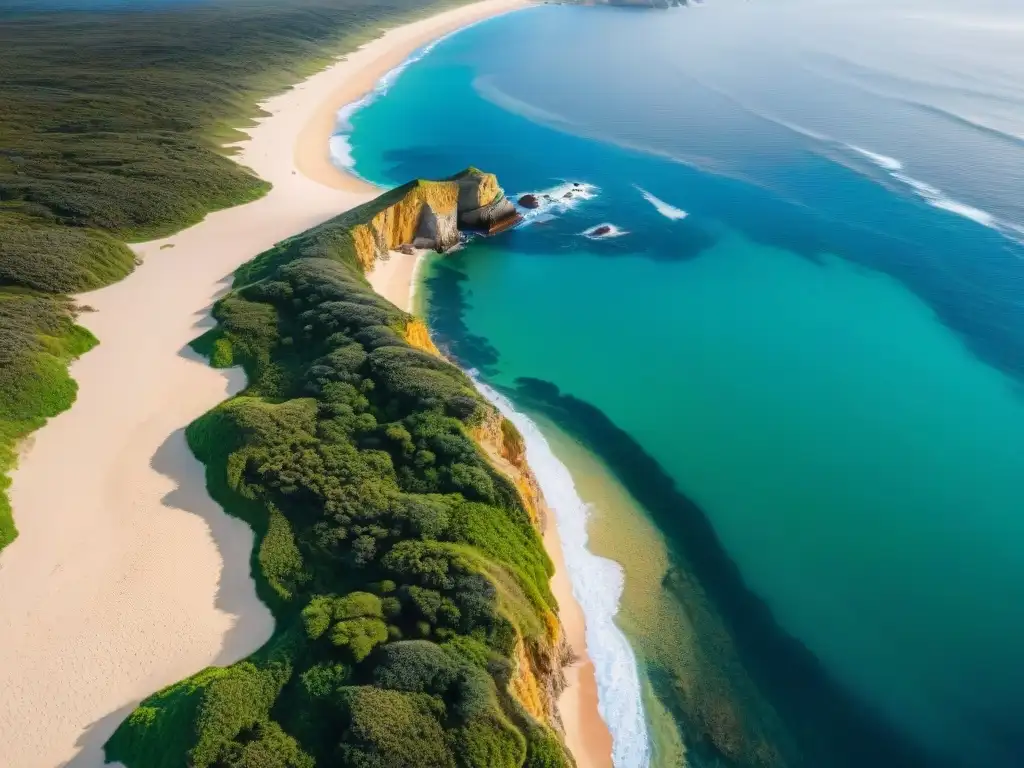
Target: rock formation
[529,201]
[429,214]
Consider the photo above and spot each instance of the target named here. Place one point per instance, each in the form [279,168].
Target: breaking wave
[666,210]
[597,584]
[554,201]
[937,198]
[340,142]
[603,231]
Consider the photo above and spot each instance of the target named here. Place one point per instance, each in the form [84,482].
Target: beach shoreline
[126,576]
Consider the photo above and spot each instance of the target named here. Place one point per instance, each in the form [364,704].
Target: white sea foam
[937,198]
[341,151]
[597,586]
[613,231]
[340,144]
[553,201]
[414,280]
[666,210]
[882,161]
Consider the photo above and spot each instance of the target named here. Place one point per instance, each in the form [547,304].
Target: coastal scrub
[115,128]
[415,622]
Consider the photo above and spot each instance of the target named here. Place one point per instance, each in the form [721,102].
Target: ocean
[765,336]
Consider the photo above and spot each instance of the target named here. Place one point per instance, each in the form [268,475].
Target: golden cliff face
[432,210]
[427,214]
[417,335]
[399,223]
[538,678]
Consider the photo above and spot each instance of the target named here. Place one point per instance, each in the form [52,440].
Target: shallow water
[800,358]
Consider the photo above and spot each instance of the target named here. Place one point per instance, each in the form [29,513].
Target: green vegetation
[112,130]
[37,340]
[409,585]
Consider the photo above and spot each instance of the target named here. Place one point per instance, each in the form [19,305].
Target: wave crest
[553,201]
[936,198]
[597,584]
[341,142]
[665,209]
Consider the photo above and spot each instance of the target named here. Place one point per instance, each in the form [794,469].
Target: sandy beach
[126,576]
[395,278]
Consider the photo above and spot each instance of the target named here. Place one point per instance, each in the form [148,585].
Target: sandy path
[126,576]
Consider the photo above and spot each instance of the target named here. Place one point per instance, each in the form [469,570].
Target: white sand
[395,278]
[126,576]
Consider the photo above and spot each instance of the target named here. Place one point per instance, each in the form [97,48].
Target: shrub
[379,520]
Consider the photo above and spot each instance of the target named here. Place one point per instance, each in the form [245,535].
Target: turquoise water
[801,354]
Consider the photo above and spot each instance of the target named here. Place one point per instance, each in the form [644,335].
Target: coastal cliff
[396,522]
[430,214]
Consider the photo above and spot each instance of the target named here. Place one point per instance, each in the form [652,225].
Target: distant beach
[126,576]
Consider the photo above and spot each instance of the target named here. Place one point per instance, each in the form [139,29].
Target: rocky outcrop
[529,201]
[483,205]
[430,214]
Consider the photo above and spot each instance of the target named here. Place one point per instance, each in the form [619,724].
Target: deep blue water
[802,354]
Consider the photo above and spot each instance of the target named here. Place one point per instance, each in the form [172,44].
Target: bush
[388,729]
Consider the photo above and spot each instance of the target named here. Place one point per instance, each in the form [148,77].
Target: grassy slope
[408,582]
[111,131]
[38,340]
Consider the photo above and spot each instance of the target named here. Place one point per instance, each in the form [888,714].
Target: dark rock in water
[576,184]
[407,249]
[547,197]
[567,195]
[529,201]
[501,225]
[604,229]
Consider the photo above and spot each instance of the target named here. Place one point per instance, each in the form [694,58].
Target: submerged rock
[529,201]
[604,229]
[567,195]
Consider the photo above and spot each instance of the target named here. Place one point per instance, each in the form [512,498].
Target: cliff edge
[396,525]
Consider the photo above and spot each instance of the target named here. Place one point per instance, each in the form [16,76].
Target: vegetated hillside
[111,130]
[415,624]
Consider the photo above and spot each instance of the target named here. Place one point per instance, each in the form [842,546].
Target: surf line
[597,585]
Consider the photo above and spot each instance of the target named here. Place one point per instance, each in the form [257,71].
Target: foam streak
[666,210]
[937,198]
[597,584]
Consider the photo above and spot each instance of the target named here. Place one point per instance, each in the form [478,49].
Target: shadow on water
[829,727]
[446,319]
